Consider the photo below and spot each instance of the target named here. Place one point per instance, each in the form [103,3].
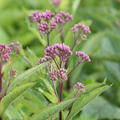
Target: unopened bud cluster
[84,56]
[81,28]
[60,74]
[13,73]
[79,88]
[4,53]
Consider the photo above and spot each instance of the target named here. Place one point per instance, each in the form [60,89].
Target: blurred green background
[103,46]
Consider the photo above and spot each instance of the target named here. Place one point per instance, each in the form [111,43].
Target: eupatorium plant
[58,55]
[57,72]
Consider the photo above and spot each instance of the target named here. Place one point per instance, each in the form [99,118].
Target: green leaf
[32,56]
[104,110]
[8,99]
[51,97]
[93,86]
[22,77]
[83,100]
[75,6]
[12,113]
[53,109]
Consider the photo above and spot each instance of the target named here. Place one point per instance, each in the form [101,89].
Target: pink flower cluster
[47,15]
[47,21]
[56,2]
[4,53]
[13,73]
[59,74]
[61,50]
[83,55]
[45,59]
[62,18]
[79,87]
[44,21]
[35,16]
[82,28]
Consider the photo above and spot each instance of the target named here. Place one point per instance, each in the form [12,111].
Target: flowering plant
[58,56]
[53,66]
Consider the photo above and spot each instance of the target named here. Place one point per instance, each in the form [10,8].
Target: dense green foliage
[30,99]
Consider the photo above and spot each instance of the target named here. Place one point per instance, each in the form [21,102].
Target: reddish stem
[61,89]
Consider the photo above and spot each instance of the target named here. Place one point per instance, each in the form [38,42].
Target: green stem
[56,63]
[27,61]
[78,63]
[55,90]
[61,89]
[48,39]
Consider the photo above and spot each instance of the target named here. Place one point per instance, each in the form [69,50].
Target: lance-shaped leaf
[83,100]
[53,109]
[15,93]
[23,76]
[93,86]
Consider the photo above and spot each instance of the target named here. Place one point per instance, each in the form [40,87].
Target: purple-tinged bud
[35,16]
[47,15]
[44,28]
[52,75]
[8,49]
[53,24]
[81,28]
[84,56]
[79,88]
[62,18]
[60,75]
[13,73]
[4,53]
[6,57]
[61,50]
[45,59]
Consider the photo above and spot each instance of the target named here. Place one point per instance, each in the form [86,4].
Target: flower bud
[79,88]
[13,73]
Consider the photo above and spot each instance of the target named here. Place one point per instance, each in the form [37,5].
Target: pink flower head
[61,50]
[45,59]
[80,27]
[79,87]
[53,24]
[62,18]
[5,57]
[4,53]
[59,74]
[44,28]
[47,15]
[47,26]
[83,55]
[52,75]
[13,73]
[56,2]
[35,16]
